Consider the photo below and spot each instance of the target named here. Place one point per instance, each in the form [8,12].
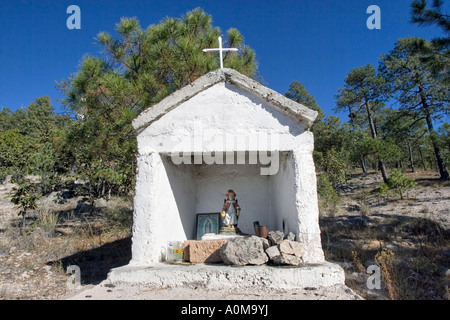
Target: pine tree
[437,53]
[407,129]
[364,93]
[139,67]
[417,89]
[298,93]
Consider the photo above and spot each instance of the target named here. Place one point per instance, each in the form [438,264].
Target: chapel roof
[280,102]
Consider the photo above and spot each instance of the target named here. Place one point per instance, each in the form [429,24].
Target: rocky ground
[32,266]
[24,273]
[408,239]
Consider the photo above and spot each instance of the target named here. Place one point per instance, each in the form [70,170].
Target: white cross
[220,49]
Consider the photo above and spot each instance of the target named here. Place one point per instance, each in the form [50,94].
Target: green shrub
[398,183]
[25,198]
[327,192]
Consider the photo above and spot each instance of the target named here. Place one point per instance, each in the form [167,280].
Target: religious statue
[230,213]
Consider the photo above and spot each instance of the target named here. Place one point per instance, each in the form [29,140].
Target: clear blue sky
[315,42]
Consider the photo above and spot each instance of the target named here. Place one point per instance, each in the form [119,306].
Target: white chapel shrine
[224,131]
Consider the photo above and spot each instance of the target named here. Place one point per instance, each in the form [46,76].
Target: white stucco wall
[284,209]
[223,118]
[221,115]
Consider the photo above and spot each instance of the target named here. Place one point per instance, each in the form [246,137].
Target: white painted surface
[302,114]
[223,117]
[221,276]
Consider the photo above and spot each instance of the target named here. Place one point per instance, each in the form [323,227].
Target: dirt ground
[105,291]
[430,199]
[408,238]
[415,230]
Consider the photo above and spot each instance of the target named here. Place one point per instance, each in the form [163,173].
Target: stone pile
[284,250]
[276,249]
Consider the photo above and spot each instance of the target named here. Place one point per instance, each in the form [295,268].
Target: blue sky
[315,42]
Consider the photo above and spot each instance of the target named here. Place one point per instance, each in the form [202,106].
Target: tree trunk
[422,159]
[411,159]
[383,171]
[373,131]
[363,164]
[437,151]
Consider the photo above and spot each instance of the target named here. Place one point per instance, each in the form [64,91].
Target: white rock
[275,237]
[272,252]
[292,247]
[287,259]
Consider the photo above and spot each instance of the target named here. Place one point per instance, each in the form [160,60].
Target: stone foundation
[219,276]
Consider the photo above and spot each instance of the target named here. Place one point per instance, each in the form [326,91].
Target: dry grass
[32,266]
[389,272]
[408,239]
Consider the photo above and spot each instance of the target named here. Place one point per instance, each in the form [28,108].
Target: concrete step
[219,276]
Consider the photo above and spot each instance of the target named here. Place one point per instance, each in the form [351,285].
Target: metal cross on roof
[220,49]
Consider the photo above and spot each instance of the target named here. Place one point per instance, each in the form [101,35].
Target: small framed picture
[207,223]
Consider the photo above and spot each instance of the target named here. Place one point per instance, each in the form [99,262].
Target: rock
[203,251]
[83,207]
[272,252]
[243,251]
[290,236]
[372,245]
[393,246]
[100,203]
[266,243]
[287,259]
[346,265]
[275,237]
[51,199]
[7,179]
[292,247]
[358,277]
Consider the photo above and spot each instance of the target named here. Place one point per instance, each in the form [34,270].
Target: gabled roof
[285,105]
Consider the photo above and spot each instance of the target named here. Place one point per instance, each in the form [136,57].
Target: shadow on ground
[95,264]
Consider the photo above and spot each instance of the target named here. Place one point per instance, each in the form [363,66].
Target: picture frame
[207,223]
